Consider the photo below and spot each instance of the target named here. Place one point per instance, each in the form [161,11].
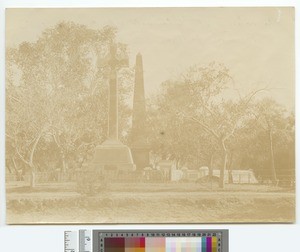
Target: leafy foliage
[57,91]
[199,120]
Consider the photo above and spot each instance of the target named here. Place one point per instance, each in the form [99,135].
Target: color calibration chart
[161,241]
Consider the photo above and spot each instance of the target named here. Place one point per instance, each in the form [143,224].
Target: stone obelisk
[112,155]
[139,147]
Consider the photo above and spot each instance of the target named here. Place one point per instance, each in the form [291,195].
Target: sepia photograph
[150,115]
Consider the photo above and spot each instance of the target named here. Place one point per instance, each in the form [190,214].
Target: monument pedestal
[112,155]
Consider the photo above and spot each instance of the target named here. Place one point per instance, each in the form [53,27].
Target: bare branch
[249,96]
[209,130]
[231,132]
[214,116]
[9,136]
[22,158]
[55,139]
[34,147]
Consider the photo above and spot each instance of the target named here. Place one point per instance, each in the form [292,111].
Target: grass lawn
[150,203]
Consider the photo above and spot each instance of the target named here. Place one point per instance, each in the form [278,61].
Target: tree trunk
[177,164]
[223,169]
[64,163]
[31,165]
[229,166]
[7,165]
[211,166]
[211,170]
[32,178]
[18,174]
[65,166]
[225,165]
[273,171]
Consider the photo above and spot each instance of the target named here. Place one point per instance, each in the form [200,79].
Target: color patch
[179,244]
[135,244]
[161,244]
[209,244]
[203,242]
[157,244]
[214,244]
[114,245]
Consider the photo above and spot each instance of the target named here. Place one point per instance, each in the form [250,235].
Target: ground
[150,203]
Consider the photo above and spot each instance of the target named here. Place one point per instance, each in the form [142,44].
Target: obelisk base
[140,155]
[112,155]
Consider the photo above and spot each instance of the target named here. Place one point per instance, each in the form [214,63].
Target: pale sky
[256,44]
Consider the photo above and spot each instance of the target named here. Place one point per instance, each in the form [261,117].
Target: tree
[172,137]
[198,96]
[269,140]
[56,91]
